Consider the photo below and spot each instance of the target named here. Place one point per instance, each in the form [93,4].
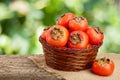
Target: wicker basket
[68,59]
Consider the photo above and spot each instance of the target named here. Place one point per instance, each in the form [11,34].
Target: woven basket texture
[69,59]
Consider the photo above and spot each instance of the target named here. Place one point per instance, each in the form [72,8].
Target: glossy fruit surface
[78,23]
[57,35]
[78,39]
[103,67]
[44,33]
[95,35]
[64,20]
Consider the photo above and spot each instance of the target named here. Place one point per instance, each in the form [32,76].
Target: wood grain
[16,67]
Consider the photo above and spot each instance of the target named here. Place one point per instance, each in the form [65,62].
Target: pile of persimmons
[72,32]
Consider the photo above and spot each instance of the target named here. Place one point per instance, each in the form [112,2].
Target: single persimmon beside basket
[69,59]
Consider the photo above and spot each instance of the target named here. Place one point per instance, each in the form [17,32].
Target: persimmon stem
[56,33]
[78,19]
[103,61]
[97,29]
[75,38]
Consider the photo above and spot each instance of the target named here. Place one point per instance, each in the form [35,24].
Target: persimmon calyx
[75,39]
[56,33]
[78,19]
[97,29]
[103,61]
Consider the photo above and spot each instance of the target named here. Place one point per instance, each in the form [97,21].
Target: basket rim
[45,44]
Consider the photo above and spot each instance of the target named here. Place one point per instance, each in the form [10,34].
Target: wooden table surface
[22,67]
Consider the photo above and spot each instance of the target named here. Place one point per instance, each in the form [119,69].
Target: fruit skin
[44,33]
[104,69]
[53,39]
[64,20]
[78,23]
[95,35]
[80,42]
[89,45]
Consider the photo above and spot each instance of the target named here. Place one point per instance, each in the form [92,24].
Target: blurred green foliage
[22,22]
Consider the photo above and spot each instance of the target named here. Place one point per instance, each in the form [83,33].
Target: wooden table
[22,67]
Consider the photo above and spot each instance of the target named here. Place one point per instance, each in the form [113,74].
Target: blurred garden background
[22,21]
